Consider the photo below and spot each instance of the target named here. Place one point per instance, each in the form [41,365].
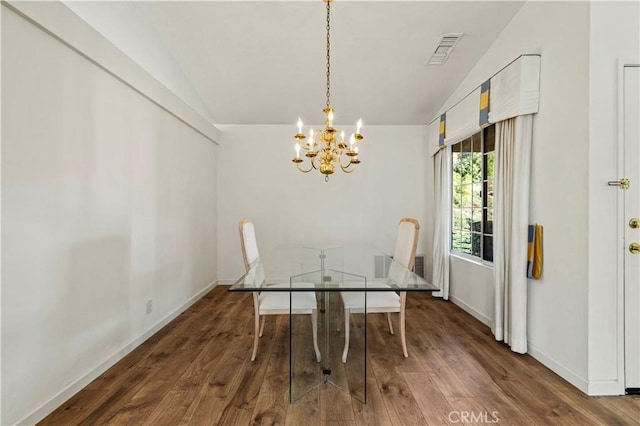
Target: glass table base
[306,373]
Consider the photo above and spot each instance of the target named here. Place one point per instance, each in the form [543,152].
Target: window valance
[512,91]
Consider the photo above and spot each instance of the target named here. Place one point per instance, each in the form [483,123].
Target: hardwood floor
[197,371]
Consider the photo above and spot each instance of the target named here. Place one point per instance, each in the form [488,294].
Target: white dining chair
[274,302]
[385,301]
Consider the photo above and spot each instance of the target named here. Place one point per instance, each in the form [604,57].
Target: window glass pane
[476,167]
[476,220]
[489,159]
[456,198]
[465,146]
[466,219]
[476,197]
[456,219]
[455,159]
[488,221]
[487,248]
[461,242]
[475,244]
[462,196]
[488,193]
[455,237]
[490,139]
[467,200]
[466,237]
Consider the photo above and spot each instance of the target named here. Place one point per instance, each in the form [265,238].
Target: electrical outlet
[149,306]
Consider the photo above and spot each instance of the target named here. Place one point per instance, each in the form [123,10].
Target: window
[472,195]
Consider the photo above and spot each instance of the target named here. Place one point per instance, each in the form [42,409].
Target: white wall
[615,36]
[108,200]
[557,320]
[257,180]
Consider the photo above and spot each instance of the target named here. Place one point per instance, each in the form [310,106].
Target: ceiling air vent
[445,45]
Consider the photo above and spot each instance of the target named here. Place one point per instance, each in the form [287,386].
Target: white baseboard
[606,387]
[593,388]
[226,282]
[571,377]
[468,309]
[59,399]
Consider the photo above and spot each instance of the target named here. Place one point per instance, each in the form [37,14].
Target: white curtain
[511,217]
[442,233]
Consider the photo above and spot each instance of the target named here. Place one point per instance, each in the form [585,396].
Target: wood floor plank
[305,411]
[211,399]
[335,404]
[432,403]
[177,401]
[401,405]
[196,371]
[374,412]
[273,398]
[479,384]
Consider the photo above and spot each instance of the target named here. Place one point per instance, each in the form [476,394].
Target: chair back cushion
[398,275]
[248,242]
[406,242]
[255,277]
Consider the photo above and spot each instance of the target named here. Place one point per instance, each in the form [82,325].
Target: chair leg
[314,320]
[264,317]
[255,334]
[346,335]
[339,315]
[389,321]
[402,334]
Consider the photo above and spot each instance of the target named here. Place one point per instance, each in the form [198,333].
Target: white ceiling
[263,62]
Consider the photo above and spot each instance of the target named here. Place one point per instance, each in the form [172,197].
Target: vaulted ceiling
[263,62]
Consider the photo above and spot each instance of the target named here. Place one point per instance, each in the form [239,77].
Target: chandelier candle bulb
[299,125]
[359,126]
[297,148]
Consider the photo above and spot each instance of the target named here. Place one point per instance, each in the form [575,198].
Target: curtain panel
[511,218]
[442,229]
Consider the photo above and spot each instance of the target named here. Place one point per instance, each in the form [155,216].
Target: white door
[631,135]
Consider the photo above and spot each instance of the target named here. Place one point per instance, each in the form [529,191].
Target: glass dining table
[329,271]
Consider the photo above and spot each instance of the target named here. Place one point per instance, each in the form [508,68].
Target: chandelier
[325,149]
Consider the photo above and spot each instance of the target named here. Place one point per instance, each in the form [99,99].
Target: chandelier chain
[328,54]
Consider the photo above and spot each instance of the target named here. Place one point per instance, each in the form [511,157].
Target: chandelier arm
[303,170]
[345,168]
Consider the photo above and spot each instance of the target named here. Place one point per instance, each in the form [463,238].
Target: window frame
[486,182]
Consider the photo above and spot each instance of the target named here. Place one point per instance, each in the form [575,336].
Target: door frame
[621,65]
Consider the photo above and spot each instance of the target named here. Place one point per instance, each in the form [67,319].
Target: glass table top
[327,268]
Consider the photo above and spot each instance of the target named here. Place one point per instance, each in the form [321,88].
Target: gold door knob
[634,223]
[634,248]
